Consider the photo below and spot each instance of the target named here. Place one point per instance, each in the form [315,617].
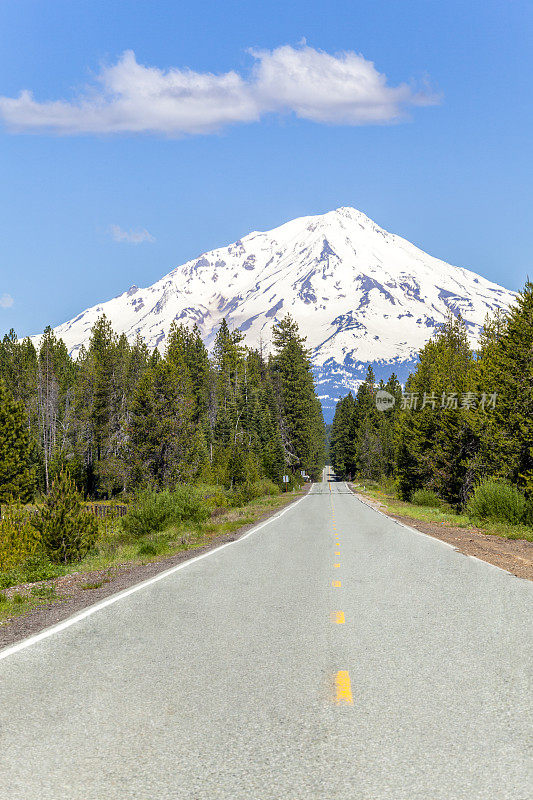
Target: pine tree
[176,354]
[504,370]
[368,455]
[137,363]
[228,358]
[389,424]
[342,447]
[160,427]
[269,448]
[196,464]
[200,373]
[301,421]
[17,478]
[67,531]
[436,441]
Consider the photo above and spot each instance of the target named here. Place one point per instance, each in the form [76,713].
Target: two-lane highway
[331,654]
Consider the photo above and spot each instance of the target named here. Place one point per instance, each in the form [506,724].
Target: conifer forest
[119,418]
[464,417]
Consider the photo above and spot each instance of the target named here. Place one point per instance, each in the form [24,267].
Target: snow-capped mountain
[360,295]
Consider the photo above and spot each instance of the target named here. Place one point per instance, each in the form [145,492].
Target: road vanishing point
[330,653]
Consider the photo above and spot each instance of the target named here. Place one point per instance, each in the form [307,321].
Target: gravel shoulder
[73,594]
[513,555]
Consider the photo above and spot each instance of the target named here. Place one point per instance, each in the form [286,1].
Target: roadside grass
[115,549]
[94,584]
[19,604]
[444,515]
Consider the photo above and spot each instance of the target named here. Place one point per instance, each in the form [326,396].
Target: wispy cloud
[6,301]
[344,89]
[131,236]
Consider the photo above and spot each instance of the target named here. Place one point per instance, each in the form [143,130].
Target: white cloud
[344,89]
[6,301]
[128,97]
[131,236]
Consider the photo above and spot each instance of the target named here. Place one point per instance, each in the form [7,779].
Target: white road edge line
[87,612]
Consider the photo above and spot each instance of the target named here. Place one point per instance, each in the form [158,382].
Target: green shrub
[215,496]
[244,493]
[425,497]
[38,569]
[67,531]
[3,599]
[152,512]
[527,518]
[147,549]
[149,512]
[18,537]
[267,487]
[10,578]
[389,485]
[189,505]
[497,500]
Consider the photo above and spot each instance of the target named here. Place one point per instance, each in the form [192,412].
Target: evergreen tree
[200,373]
[368,456]
[269,448]
[342,447]
[228,358]
[196,464]
[504,377]
[435,437]
[17,478]
[67,531]
[160,427]
[389,425]
[301,421]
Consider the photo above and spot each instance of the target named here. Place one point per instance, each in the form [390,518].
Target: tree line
[464,416]
[119,417]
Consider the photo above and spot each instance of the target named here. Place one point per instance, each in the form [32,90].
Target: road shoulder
[513,555]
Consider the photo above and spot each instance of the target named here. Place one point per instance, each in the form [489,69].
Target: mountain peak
[360,295]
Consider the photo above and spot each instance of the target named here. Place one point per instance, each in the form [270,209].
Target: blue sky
[439,149]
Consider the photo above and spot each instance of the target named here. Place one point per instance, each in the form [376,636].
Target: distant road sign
[285,479]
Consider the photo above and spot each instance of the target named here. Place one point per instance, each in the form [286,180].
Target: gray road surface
[231,677]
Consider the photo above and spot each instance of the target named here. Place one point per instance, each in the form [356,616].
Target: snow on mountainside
[360,295]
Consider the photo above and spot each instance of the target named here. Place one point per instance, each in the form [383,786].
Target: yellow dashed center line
[343,689]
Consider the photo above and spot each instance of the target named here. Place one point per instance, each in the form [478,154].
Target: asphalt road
[249,675]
